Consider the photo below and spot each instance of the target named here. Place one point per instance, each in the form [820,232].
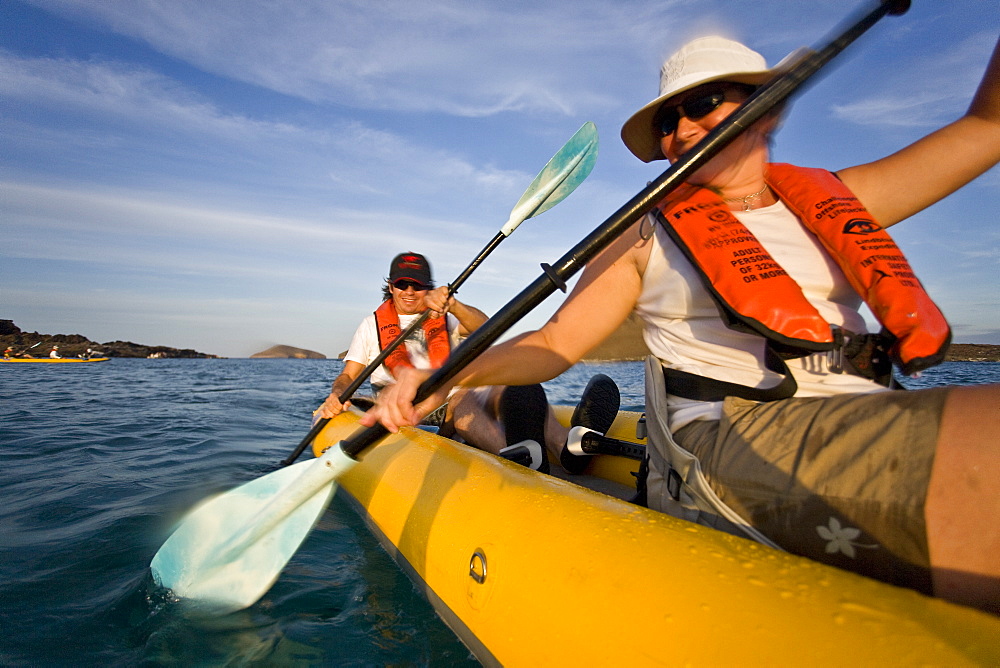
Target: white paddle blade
[229,550]
[559,177]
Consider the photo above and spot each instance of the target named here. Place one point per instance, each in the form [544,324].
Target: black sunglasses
[403,283]
[694,108]
[699,106]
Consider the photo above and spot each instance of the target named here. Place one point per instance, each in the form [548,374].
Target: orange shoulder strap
[435,333]
[872,262]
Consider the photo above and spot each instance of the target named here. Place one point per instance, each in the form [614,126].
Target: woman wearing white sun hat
[781,405]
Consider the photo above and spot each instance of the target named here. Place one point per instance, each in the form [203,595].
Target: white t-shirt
[683,328]
[364,346]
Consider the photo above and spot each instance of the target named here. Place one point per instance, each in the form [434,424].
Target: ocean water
[99,461]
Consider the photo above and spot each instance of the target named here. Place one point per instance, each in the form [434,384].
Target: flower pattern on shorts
[841,539]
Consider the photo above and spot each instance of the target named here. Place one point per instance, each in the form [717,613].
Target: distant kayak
[56,360]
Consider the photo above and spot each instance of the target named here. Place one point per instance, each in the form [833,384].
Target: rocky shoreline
[624,345]
[75,345]
[973,352]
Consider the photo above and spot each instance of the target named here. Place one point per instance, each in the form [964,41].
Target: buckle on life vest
[865,355]
[835,356]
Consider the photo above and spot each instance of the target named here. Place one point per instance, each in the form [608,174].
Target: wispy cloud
[453,56]
[65,224]
[111,101]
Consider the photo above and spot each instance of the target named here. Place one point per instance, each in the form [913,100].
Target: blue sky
[227,175]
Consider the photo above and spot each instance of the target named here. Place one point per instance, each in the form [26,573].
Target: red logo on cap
[410,261]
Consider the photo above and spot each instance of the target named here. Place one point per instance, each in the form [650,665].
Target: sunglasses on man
[403,283]
[698,106]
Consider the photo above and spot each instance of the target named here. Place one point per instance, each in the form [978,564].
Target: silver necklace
[746,199]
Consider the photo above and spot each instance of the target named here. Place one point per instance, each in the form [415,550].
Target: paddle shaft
[29,348]
[774,92]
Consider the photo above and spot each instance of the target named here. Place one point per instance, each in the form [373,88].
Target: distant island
[76,345]
[288,352]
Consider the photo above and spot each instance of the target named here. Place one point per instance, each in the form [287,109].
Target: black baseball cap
[411,267]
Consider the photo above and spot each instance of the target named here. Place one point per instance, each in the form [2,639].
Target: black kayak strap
[701,388]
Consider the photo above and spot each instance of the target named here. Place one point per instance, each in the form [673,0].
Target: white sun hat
[700,61]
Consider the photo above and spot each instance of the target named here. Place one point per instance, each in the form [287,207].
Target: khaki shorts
[842,480]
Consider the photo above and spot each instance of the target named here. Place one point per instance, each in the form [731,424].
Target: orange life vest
[755,294]
[435,333]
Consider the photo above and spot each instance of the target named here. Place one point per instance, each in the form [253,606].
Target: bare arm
[908,181]
[332,406]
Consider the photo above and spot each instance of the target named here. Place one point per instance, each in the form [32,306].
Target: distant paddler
[9,353]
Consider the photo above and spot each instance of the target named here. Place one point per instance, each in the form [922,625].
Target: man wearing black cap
[408,292]
[476,415]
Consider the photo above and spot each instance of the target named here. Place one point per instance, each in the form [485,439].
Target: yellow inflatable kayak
[56,360]
[529,569]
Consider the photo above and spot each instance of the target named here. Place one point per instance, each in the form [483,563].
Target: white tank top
[682,326]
